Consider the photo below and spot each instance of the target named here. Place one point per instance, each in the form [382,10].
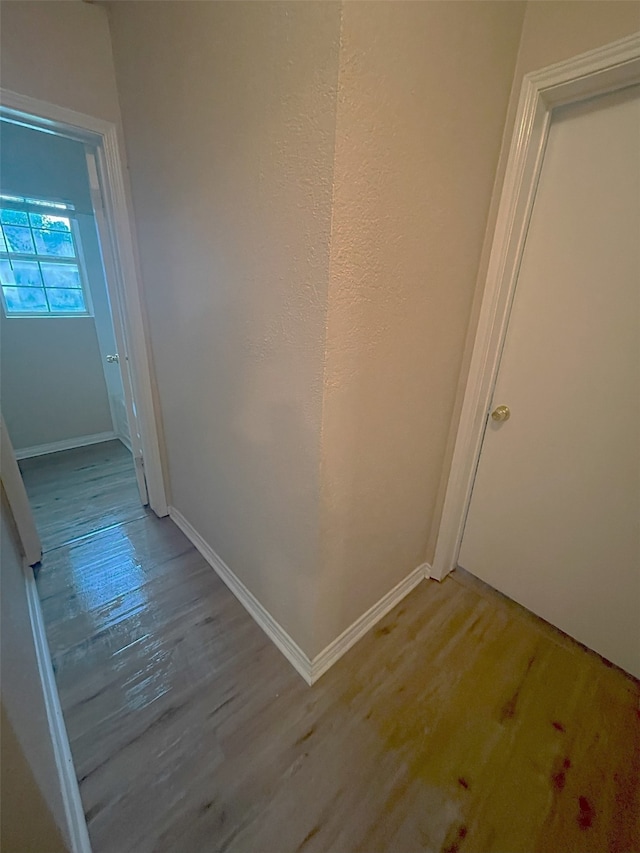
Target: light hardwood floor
[460,723]
[75,492]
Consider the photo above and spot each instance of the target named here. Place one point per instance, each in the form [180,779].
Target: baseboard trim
[276,633]
[341,645]
[65,444]
[77,832]
[310,670]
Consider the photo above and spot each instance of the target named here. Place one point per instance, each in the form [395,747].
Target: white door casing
[18,501]
[597,72]
[121,273]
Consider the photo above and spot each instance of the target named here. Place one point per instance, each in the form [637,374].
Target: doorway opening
[77,397]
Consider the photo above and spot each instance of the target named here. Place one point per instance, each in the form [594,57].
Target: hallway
[460,723]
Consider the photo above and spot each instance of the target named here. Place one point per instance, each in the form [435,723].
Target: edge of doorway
[125,283]
[600,71]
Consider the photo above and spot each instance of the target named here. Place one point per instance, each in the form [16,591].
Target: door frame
[598,72]
[121,271]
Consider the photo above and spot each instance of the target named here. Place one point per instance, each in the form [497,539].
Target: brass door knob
[502,413]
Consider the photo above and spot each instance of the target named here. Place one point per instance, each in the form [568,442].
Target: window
[40,264]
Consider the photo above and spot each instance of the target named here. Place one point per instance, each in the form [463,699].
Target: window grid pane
[60,275]
[25,274]
[49,222]
[19,239]
[54,300]
[13,217]
[65,299]
[54,243]
[26,300]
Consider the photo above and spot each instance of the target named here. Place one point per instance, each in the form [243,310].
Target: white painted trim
[310,670]
[18,500]
[341,645]
[289,648]
[120,268]
[595,73]
[65,444]
[77,832]
[104,135]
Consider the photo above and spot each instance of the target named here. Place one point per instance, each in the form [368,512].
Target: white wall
[229,116]
[22,694]
[26,824]
[316,241]
[53,386]
[422,99]
[59,52]
[52,375]
[224,142]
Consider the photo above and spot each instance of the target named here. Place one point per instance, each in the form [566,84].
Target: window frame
[52,207]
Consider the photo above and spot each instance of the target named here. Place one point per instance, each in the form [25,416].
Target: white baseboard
[65,444]
[76,829]
[310,670]
[341,645]
[276,633]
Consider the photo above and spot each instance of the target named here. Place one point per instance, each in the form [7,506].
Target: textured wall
[59,52]
[26,823]
[230,140]
[423,93]
[229,117]
[312,186]
[22,694]
[559,29]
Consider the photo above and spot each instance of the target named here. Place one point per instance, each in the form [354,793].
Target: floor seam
[95,532]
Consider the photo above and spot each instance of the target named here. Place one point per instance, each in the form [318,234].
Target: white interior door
[554,517]
[104,325]
[117,373]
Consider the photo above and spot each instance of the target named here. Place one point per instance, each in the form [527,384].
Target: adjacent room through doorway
[66,399]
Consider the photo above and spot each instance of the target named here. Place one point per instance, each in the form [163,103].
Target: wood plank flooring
[459,724]
[75,492]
